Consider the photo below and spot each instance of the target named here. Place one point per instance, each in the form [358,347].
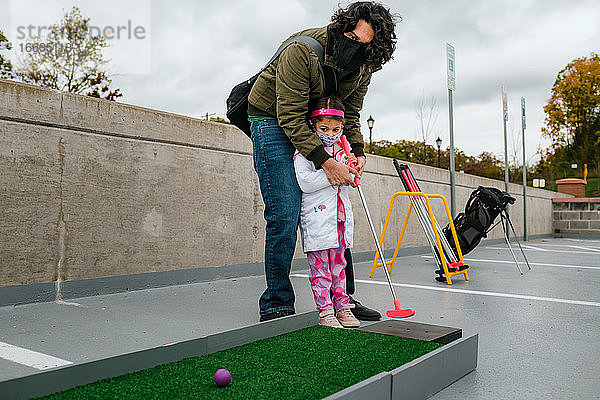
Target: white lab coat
[318,213]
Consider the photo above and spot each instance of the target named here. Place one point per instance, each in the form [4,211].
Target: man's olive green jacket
[286,87]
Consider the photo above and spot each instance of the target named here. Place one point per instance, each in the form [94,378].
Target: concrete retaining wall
[93,188]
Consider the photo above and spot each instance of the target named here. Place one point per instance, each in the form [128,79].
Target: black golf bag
[483,206]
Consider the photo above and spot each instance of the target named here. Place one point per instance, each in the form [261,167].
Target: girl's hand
[360,165]
[351,160]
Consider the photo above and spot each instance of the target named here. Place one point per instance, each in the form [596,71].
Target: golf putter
[398,311]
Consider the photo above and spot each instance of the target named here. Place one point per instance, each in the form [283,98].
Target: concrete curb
[71,289]
[589,236]
[46,291]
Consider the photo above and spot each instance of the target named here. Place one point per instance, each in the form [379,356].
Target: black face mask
[349,54]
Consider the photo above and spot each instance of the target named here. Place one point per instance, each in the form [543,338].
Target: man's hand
[338,173]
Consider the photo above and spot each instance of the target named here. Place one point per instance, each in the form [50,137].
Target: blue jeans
[272,153]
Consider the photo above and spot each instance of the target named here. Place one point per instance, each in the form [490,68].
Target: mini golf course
[309,363]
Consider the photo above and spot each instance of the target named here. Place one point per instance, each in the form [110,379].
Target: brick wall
[576,215]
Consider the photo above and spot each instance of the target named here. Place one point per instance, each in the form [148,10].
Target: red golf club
[398,311]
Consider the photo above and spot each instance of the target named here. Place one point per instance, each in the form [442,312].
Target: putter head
[399,312]
[457,266]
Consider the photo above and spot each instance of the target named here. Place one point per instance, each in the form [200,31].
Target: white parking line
[553,251]
[30,358]
[475,292]
[533,248]
[585,248]
[565,245]
[582,240]
[531,263]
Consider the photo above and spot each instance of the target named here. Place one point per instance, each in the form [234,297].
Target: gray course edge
[420,378]
[46,291]
[427,375]
[58,379]
[413,380]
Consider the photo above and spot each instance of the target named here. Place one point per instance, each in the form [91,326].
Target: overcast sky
[193,52]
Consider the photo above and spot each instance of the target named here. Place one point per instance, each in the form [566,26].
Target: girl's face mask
[328,141]
[329,130]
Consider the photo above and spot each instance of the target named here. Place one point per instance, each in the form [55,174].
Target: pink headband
[321,112]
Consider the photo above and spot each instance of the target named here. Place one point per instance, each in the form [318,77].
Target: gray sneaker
[346,318]
[327,318]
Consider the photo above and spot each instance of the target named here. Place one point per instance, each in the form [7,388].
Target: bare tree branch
[427,113]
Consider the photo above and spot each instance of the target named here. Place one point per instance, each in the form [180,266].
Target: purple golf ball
[222,377]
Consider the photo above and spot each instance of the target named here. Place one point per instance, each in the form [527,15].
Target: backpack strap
[310,41]
[314,45]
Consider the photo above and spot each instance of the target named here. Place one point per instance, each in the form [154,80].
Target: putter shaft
[387,275]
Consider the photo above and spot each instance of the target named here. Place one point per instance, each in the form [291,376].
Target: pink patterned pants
[328,275]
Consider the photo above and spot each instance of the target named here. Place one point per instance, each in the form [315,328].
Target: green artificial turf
[309,363]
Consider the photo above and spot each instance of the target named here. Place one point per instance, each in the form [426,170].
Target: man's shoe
[363,313]
[276,314]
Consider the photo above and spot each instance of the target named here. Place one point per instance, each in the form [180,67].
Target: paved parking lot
[538,333]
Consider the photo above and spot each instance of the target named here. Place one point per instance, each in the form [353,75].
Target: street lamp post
[370,123]
[438,142]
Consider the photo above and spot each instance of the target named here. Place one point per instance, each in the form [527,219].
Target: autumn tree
[220,120]
[407,150]
[573,112]
[70,59]
[486,164]
[5,64]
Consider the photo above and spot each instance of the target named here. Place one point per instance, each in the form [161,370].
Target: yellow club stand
[448,274]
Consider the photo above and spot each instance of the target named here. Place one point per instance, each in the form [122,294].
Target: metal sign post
[505,118]
[523,123]
[451,88]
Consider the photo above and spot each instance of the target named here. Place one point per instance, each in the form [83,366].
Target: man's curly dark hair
[383,22]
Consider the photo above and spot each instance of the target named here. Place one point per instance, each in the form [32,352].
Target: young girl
[326,221]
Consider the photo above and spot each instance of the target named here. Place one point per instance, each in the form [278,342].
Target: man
[358,42]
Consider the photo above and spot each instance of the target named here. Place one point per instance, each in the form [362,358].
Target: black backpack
[237,102]
[483,206]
